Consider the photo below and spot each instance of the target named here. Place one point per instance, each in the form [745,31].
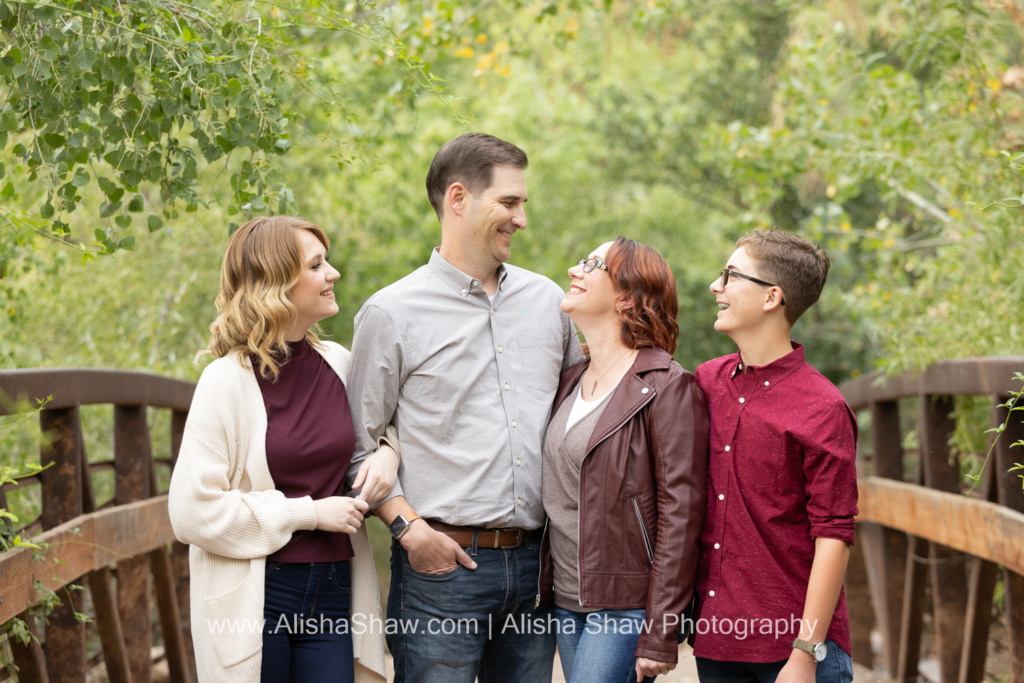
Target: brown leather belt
[485,538]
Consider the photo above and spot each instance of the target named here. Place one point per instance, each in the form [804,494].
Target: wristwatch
[816,650]
[400,525]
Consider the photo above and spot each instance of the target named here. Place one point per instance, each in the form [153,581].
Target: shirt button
[513,424]
[518,462]
[644,390]
[499,350]
[492,311]
[717,546]
[728,448]
[506,386]
[519,501]
[721,496]
[464,291]
[711,593]
[766,383]
[743,400]
[740,366]
[475,283]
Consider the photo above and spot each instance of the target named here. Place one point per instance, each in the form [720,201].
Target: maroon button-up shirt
[781,473]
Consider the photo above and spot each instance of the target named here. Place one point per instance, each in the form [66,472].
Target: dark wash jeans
[453,627]
[837,667]
[306,630]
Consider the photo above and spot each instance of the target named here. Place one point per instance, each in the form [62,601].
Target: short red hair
[647,302]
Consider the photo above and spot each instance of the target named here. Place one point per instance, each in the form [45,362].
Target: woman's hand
[377,475]
[651,667]
[340,513]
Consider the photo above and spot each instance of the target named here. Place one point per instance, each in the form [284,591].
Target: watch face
[397,525]
[820,650]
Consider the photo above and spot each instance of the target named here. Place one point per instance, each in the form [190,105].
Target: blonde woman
[282,579]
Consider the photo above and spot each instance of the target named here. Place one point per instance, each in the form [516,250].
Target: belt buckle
[497,536]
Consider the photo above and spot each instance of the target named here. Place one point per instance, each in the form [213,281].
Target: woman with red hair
[625,460]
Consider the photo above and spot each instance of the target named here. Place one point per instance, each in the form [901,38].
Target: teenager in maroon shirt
[782,485]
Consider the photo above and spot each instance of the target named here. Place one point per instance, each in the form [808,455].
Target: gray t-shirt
[468,382]
[564,451]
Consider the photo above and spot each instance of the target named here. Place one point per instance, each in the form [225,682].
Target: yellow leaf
[428,25]
[464,52]
[994,85]
[482,38]
[823,102]
[572,27]
[501,47]
[485,62]
[845,226]
[504,71]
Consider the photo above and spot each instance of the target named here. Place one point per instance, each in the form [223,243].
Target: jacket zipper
[643,530]
[543,535]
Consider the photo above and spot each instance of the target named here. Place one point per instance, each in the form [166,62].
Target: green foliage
[136,98]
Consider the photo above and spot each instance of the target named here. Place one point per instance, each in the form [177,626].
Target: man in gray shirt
[463,357]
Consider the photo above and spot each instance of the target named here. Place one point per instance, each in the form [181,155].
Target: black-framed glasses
[590,263]
[726,274]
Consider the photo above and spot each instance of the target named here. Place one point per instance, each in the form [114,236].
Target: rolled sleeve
[830,467]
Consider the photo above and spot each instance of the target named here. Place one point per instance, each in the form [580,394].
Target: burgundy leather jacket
[642,494]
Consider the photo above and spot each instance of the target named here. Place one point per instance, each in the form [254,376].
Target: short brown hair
[647,301]
[469,159]
[797,265]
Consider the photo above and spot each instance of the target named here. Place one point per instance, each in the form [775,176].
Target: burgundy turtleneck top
[310,439]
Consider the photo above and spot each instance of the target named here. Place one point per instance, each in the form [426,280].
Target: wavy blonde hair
[262,263]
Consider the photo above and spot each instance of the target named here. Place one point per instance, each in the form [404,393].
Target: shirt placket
[508,377]
[739,398]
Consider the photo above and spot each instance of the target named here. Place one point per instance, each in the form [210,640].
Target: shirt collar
[775,371]
[463,284]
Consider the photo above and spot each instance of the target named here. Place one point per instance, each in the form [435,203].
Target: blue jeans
[837,667]
[306,630]
[453,627]
[599,647]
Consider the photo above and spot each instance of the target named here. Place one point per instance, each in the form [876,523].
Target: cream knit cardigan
[223,502]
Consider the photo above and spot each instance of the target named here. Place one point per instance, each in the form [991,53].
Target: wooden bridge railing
[124,553]
[911,534]
[919,530]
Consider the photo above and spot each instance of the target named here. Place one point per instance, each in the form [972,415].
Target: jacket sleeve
[678,435]
[205,510]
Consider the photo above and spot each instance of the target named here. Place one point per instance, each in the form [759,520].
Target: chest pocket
[757,461]
[541,362]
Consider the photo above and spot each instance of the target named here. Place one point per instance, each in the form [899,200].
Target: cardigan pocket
[235,638]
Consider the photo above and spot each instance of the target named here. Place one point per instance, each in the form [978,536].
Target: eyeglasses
[590,263]
[726,274]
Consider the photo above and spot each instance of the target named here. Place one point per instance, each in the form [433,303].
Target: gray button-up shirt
[468,381]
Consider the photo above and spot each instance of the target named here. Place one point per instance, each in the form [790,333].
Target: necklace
[594,388]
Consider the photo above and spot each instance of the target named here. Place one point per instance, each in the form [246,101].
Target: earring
[618,308]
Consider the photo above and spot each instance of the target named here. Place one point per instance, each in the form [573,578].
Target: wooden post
[30,659]
[104,600]
[912,615]
[61,484]
[179,554]
[167,605]
[948,577]
[885,551]
[132,461]
[1012,496]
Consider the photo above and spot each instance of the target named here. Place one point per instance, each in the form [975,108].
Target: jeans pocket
[444,576]
[271,567]
[340,578]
